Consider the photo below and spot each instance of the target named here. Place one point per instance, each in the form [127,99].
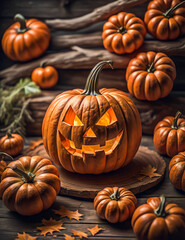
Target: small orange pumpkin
[169,135]
[123,33]
[11,144]
[115,204]
[25,40]
[177,171]
[45,77]
[29,185]
[165,19]
[150,76]
[157,220]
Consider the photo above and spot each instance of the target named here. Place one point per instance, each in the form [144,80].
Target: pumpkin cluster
[26,40]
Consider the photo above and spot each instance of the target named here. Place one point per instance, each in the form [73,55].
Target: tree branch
[94,40]
[77,58]
[97,15]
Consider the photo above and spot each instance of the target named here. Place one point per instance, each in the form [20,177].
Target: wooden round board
[133,176]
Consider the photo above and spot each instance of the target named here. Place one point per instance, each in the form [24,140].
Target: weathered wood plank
[55,9]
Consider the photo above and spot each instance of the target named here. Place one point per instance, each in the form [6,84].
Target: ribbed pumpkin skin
[46,77]
[89,109]
[30,198]
[147,226]
[150,84]
[130,36]
[115,210]
[11,145]
[162,27]
[2,167]
[168,140]
[177,171]
[28,45]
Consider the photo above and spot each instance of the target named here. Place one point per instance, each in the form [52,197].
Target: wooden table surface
[12,223]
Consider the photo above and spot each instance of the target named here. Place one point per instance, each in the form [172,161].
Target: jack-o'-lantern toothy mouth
[108,148]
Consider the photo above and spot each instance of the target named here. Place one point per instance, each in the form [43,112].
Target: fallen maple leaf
[35,144]
[68,237]
[94,230]
[148,171]
[80,234]
[25,236]
[64,212]
[50,226]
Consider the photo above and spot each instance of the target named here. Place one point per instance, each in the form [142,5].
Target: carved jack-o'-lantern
[92,131]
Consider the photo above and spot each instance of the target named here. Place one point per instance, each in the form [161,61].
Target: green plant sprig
[14,103]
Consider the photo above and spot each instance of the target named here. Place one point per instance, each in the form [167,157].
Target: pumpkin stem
[21,19]
[115,195]
[9,134]
[122,30]
[160,211]
[26,177]
[4,155]
[170,11]
[42,64]
[91,87]
[151,68]
[177,116]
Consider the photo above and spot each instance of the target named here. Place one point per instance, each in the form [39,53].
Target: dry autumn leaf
[64,212]
[50,226]
[94,230]
[25,236]
[68,237]
[148,171]
[35,144]
[80,234]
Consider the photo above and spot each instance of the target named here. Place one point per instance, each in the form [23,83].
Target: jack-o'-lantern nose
[89,133]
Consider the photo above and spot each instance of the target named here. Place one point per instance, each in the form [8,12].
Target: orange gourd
[165,19]
[11,144]
[123,33]
[150,76]
[169,135]
[45,77]
[91,131]
[115,204]
[25,39]
[177,171]
[29,185]
[158,220]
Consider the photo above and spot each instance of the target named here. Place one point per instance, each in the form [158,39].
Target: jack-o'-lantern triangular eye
[72,119]
[107,118]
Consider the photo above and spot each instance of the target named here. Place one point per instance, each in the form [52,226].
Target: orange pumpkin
[177,171]
[165,19]
[45,77]
[150,76]
[169,135]
[29,185]
[25,40]
[91,131]
[2,167]
[11,144]
[123,33]
[157,220]
[115,204]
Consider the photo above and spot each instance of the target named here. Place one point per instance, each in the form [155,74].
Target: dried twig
[95,16]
